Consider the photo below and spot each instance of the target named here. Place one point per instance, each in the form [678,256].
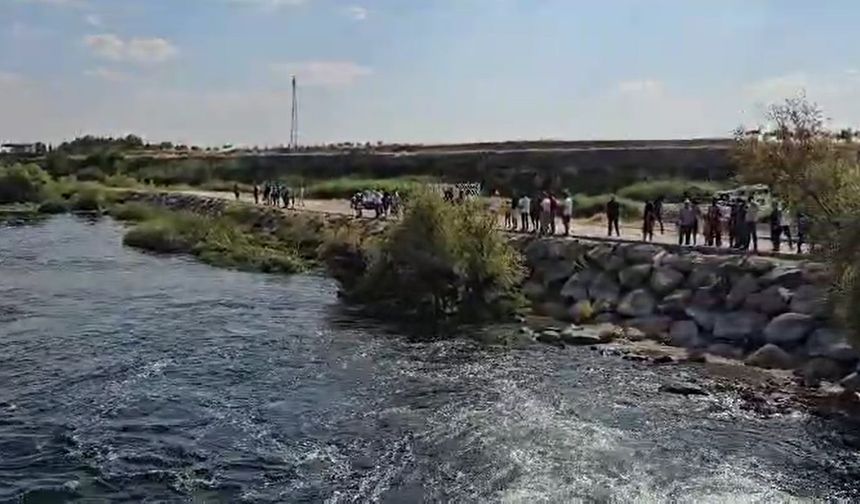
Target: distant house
[23,148]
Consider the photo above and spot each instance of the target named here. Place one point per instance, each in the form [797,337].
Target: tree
[810,171]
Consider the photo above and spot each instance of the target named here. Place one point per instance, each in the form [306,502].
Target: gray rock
[770,356]
[757,265]
[637,303]
[822,368]
[739,325]
[684,333]
[786,276]
[703,317]
[851,383]
[703,277]
[574,250]
[654,326]
[741,288]
[555,249]
[681,263]
[600,255]
[675,303]
[686,389]
[642,253]
[555,271]
[634,334]
[634,276]
[832,344]
[771,301]
[581,311]
[537,251]
[553,309]
[809,300]
[788,329]
[705,298]
[608,332]
[576,287]
[578,336]
[604,288]
[606,318]
[816,273]
[725,350]
[534,290]
[615,262]
[664,280]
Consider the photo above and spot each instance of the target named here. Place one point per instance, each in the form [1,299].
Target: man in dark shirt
[658,212]
[613,213]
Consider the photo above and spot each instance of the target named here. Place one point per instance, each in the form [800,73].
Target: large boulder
[739,325]
[675,303]
[576,287]
[822,368]
[832,344]
[682,263]
[809,300]
[654,326]
[741,288]
[706,298]
[684,333]
[726,350]
[634,276]
[604,288]
[665,279]
[537,251]
[786,276]
[816,273]
[851,383]
[534,290]
[771,301]
[788,329]
[555,272]
[580,336]
[550,337]
[553,309]
[770,356]
[642,253]
[637,303]
[703,317]
[757,265]
[703,277]
[600,255]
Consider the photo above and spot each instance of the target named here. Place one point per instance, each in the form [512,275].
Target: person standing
[714,223]
[267,189]
[803,226]
[697,221]
[553,212]
[545,214]
[785,224]
[775,228]
[752,224]
[613,214]
[256,194]
[658,211]
[302,195]
[686,222]
[648,218]
[236,191]
[525,207]
[510,208]
[566,212]
[534,212]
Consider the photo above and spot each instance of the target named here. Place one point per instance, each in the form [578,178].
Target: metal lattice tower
[294,120]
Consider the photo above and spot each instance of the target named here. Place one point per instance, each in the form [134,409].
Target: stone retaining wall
[772,313]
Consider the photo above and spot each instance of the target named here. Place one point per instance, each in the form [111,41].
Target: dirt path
[594,228]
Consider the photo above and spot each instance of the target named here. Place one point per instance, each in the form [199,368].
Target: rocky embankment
[769,313]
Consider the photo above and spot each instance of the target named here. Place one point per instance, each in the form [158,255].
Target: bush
[91,174]
[23,183]
[121,181]
[441,261]
[585,206]
[88,198]
[673,190]
[54,206]
[158,236]
[133,212]
[344,188]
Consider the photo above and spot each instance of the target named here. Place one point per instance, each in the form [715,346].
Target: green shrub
[91,174]
[23,183]
[121,181]
[441,261]
[133,212]
[88,198]
[585,206]
[344,188]
[673,190]
[54,206]
[158,236]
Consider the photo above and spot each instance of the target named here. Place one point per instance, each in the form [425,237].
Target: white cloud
[93,20]
[137,50]
[107,74]
[357,12]
[7,78]
[268,4]
[58,3]
[26,32]
[323,73]
[640,86]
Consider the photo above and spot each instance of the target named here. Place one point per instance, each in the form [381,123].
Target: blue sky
[217,71]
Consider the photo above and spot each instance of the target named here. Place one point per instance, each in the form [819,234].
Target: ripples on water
[125,376]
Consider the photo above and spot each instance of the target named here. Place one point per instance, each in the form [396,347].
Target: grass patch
[219,241]
[54,206]
[133,212]
[345,187]
[673,190]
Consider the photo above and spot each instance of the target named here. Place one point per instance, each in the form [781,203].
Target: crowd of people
[737,220]
[383,204]
[276,194]
[539,213]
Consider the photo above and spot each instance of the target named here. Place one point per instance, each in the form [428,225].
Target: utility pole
[294,121]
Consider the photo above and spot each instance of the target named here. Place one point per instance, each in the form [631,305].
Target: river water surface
[132,377]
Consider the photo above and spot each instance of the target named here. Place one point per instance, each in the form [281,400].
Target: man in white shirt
[525,205]
[566,212]
[752,223]
[545,213]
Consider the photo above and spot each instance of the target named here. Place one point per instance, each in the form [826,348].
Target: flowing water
[132,377]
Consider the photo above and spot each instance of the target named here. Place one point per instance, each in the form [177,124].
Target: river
[132,377]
